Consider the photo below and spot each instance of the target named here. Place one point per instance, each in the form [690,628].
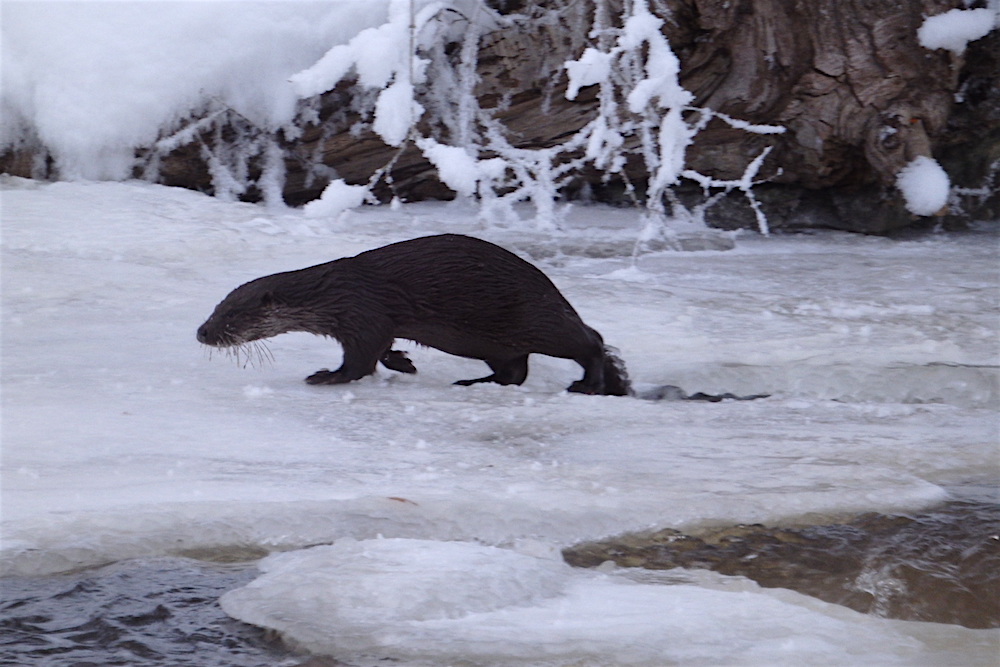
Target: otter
[455,293]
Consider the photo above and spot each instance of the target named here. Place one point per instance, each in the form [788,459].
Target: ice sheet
[121,437]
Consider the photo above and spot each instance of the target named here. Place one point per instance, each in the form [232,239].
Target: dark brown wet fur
[455,293]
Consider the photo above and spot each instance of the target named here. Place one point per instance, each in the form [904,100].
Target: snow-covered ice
[122,437]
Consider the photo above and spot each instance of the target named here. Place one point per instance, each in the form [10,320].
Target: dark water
[941,565]
[160,611]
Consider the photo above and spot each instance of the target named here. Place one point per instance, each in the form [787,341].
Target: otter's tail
[616,382]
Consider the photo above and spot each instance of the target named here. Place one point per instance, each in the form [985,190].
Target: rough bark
[858,94]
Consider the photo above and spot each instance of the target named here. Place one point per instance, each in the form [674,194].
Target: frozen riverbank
[122,439]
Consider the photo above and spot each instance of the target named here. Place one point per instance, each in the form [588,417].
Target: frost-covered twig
[236,141]
[642,110]
[640,68]
[744,184]
[187,133]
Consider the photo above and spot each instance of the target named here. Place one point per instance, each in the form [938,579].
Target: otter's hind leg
[505,371]
[586,347]
[603,373]
[592,381]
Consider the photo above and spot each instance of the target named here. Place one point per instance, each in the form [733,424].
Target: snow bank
[92,81]
[924,185]
[449,601]
[954,29]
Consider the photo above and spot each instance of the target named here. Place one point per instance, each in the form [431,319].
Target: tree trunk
[859,96]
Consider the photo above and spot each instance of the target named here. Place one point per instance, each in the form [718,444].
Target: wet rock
[941,565]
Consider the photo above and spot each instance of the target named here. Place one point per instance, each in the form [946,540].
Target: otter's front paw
[396,360]
[326,376]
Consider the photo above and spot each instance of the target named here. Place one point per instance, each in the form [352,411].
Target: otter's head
[249,313]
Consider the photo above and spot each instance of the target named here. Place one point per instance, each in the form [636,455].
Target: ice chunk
[452,601]
[365,588]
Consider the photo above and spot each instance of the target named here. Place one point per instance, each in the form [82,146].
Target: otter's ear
[268,300]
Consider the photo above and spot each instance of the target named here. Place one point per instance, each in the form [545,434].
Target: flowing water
[154,611]
[941,565]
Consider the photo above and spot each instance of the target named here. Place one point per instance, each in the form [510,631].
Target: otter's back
[472,285]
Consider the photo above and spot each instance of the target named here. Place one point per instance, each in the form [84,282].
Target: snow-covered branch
[642,69]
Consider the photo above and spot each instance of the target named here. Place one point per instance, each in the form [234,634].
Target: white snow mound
[924,185]
[954,29]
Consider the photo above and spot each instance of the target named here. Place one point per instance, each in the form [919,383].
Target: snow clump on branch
[924,185]
[954,29]
[384,58]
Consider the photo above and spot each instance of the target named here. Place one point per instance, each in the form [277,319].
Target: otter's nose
[202,334]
